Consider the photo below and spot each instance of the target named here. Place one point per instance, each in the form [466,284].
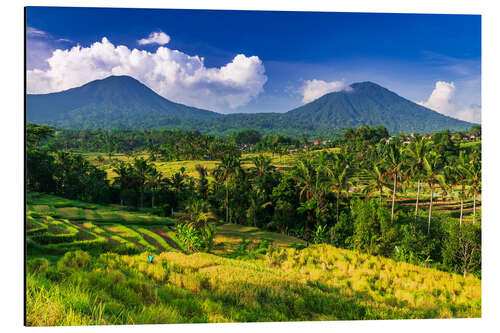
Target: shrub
[57,274]
[275,257]
[38,265]
[208,235]
[195,239]
[373,232]
[462,248]
[126,249]
[341,232]
[109,260]
[190,237]
[415,246]
[321,234]
[75,259]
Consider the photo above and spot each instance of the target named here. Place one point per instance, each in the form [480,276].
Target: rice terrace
[356,204]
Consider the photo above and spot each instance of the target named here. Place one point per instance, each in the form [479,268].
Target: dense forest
[354,197]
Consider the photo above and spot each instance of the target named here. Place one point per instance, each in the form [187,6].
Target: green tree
[263,164]
[313,181]
[373,180]
[124,178]
[255,204]
[458,173]
[414,159]
[247,137]
[36,133]
[340,173]
[153,180]
[395,164]
[141,170]
[473,174]
[462,248]
[433,176]
[202,181]
[224,172]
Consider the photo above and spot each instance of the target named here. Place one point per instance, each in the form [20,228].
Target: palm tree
[263,164]
[304,175]
[340,174]
[153,179]
[123,172]
[459,175]
[202,180]
[109,143]
[224,172]
[256,202]
[141,168]
[432,169]
[395,163]
[473,172]
[414,159]
[197,214]
[374,180]
[312,180]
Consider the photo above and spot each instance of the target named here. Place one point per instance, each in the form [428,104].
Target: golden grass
[317,283]
[229,236]
[400,288]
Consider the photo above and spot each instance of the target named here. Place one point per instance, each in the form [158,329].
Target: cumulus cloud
[442,100]
[314,89]
[171,73]
[159,38]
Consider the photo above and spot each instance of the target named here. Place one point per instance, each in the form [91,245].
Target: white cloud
[33,32]
[314,89]
[442,100]
[159,38]
[173,74]
[65,40]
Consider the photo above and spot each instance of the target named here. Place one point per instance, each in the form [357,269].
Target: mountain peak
[113,81]
[123,102]
[366,85]
[368,103]
[117,101]
[118,78]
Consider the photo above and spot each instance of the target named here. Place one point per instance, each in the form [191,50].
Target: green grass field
[251,274]
[168,169]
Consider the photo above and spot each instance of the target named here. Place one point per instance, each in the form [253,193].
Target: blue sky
[251,61]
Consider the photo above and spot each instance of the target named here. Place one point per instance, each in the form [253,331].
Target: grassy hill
[251,275]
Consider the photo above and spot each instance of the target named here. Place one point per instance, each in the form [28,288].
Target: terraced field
[56,225]
[88,264]
[168,169]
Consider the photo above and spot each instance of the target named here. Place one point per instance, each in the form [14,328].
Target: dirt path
[442,203]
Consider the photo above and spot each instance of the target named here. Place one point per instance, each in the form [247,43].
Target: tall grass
[316,283]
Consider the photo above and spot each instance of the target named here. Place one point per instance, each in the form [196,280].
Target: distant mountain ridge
[122,102]
[113,102]
[367,103]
